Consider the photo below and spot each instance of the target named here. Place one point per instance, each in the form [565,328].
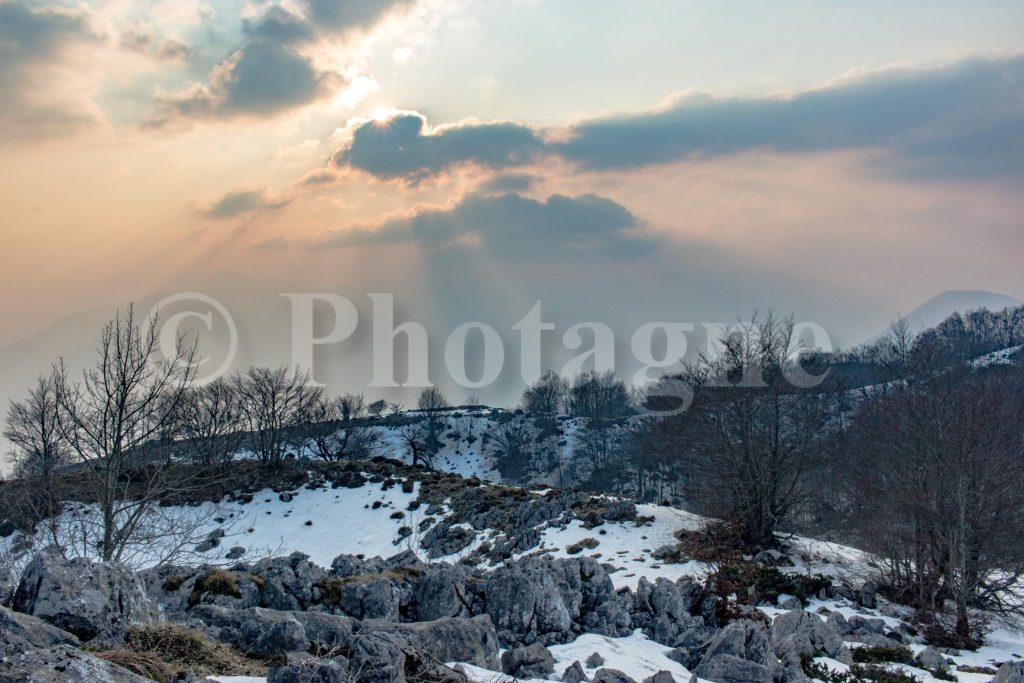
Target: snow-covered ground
[325,522]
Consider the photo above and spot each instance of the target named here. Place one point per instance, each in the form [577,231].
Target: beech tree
[111,420]
[275,403]
[750,441]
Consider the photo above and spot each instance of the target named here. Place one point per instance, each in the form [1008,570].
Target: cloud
[403,146]
[272,71]
[511,182]
[244,201]
[145,43]
[34,43]
[511,225]
[964,119]
[933,115]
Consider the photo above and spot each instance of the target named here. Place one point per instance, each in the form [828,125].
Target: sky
[618,162]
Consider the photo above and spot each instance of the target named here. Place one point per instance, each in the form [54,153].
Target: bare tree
[545,396]
[377,408]
[338,429]
[112,419]
[211,421]
[598,396]
[39,452]
[513,440]
[750,440]
[414,437]
[274,404]
[431,402]
[433,405]
[932,479]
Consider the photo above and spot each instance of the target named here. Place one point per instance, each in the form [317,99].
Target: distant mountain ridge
[938,308]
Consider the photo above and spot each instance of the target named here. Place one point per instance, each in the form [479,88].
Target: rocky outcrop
[62,664]
[1010,672]
[805,634]
[531,661]
[441,592]
[525,604]
[21,632]
[739,653]
[288,582]
[305,668]
[469,641]
[89,599]
[550,601]
[369,645]
[663,610]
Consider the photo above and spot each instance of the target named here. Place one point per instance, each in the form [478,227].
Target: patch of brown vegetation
[217,581]
[580,546]
[170,652]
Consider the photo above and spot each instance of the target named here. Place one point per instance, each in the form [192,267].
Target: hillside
[643,604]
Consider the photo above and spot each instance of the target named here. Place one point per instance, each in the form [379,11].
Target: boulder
[660,677]
[62,664]
[806,634]
[662,609]
[304,668]
[867,595]
[281,637]
[525,604]
[732,669]
[790,602]
[256,631]
[1010,672]
[21,632]
[288,582]
[839,623]
[532,661]
[594,660]
[739,653]
[860,625]
[88,599]
[574,673]
[611,676]
[441,592]
[931,659]
[378,659]
[370,597]
[470,641]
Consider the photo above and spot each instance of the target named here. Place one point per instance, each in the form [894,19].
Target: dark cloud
[510,224]
[238,202]
[962,120]
[401,147]
[352,15]
[33,43]
[511,182]
[936,115]
[261,79]
[269,73]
